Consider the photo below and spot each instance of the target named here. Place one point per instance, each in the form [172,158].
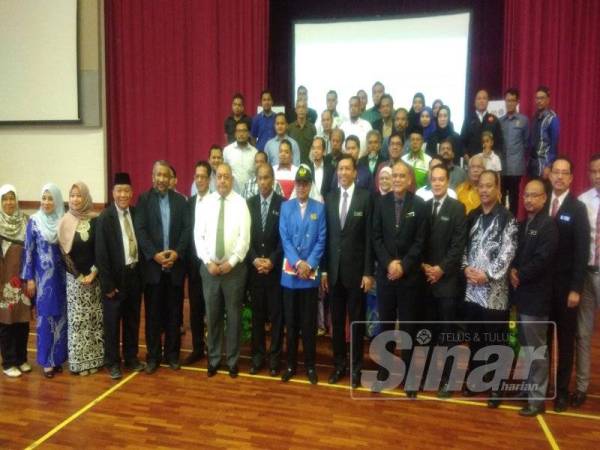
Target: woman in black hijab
[418,104]
[445,130]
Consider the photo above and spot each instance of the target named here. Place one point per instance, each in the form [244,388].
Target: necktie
[597,239]
[554,207]
[263,214]
[129,232]
[220,248]
[398,204]
[344,212]
[436,206]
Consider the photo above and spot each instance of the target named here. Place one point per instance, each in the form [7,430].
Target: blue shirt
[263,129]
[272,150]
[515,130]
[165,217]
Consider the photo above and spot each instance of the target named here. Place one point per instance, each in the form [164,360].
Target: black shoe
[255,369]
[578,399]
[355,379]
[532,411]
[312,375]
[411,394]
[48,373]
[274,371]
[192,358]
[336,375]
[561,404]
[288,374]
[58,369]
[494,400]
[233,371]
[444,391]
[174,365]
[115,372]
[135,365]
[212,371]
[151,367]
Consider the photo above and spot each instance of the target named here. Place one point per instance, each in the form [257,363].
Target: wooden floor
[185,409]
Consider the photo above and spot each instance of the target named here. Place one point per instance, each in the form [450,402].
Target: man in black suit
[348,266]
[399,225]
[337,142]
[569,268]
[322,172]
[202,177]
[442,257]
[163,233]
[531,280]
[478,122]
[373,157]
[265,259]
[117,259]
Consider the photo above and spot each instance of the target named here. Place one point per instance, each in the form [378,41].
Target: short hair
[346,156]
[386,96]
[287,142]
[266,91]
[544,89]
[269,166]
[332,92]
[512,91]
[595,157]
[238,95]
[396,134]
[173,170]
[354,97]
[482,90]
[301,87]
[263,153]
[378,83]
[442,167]
[340,132]
[224,164]
[241,122]
[279,114]
[206,165]
[407,166]
[328,112]
[494,174]
[437,158]
[374,132]
[354,139]
[161,162]
[447,141]
[563,158]
[215,147]
[322,141]
[361,90]
[488,134]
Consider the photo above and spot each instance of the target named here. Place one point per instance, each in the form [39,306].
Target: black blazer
[573,243]
[328,174]
[405,242]
[110,252]
[445,242]
[267,243]
[472,129]
[364,161]
[348,253]
[534,260]
[148,229]
[193,261]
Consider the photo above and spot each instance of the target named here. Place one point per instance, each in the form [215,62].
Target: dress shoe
[58,369]
[174,365]
[151,367]
[288,374]
[12,372]
[135,365]
[234,371]
[532,410]
[336,375]
[93,370]
[115,372]
[212,371]
[494,400]
[312,375]
[444,391]
[25,367]
[254,369]
[411,394]
[561,404]
[274,371]
[578,399]
[48,372]
[192,358]
[356,379]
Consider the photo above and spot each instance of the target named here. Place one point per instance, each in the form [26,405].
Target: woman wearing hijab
[435,107]
[418,104]
[15,307]
[385,180]
[427,121]
[76,232]
[445,130]
[44,271]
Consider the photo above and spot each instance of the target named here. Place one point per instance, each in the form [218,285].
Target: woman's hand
[30,289]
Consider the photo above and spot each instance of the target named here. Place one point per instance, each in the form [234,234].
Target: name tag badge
[313,216]
[533,233]
[565,218]
[410,214]
[444,218]
[358,213]
[275,212]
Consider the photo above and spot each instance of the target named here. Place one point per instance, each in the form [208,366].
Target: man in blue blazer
[303,231]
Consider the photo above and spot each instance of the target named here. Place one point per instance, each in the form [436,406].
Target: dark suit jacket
[364,161]
[267,243]
[405,242]
[573,243]
[149,232]
[348,253]
[445,242]
[110,252]
[328,174]
[472,129]
[534,261]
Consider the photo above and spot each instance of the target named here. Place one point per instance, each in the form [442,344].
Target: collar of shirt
[161,195]
[121,212]
[350,191]
[561,199]
[373,156]
[268,199]
[318,166]
[441,201]
[480,115]
[201,197]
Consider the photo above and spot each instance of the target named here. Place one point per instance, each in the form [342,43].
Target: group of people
[364,204]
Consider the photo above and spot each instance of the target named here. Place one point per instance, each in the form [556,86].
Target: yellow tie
[130,238]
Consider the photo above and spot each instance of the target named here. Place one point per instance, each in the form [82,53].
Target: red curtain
[557,43]
[172,67]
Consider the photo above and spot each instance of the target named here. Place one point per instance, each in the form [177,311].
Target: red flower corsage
[15,282]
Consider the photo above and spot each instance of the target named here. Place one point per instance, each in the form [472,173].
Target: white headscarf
[48,223]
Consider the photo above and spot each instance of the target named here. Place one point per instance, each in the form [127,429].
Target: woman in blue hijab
[44,271]
[427,121]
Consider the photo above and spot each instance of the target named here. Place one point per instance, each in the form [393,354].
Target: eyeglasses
[532,194]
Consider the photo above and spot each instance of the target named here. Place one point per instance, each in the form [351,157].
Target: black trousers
[441,312]
[484,334]
[266,302]
[122,312]
[300,308]
[197,309]
[566,326]
[351,301]
[163,298]
[13,344]
[510,185]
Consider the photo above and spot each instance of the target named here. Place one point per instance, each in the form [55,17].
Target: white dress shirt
[359,128]
[318,175]
[426,194]
[350,192]
[236,232]
[120,212]
[591,200]
[241,160]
